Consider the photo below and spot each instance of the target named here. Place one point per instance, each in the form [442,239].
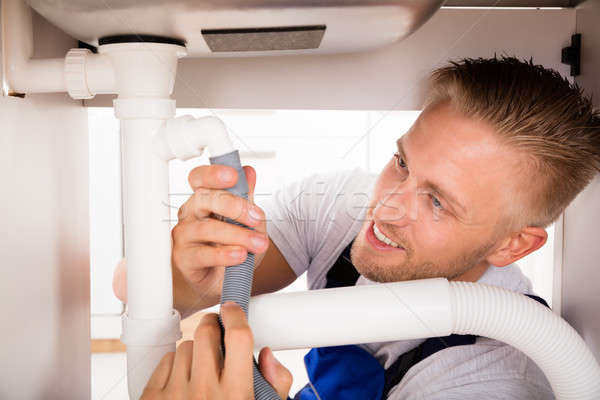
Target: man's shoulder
[342,180]
[487,367]
[338,197]
[509,277]
[346,191]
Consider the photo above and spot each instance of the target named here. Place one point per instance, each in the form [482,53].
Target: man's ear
[517,245]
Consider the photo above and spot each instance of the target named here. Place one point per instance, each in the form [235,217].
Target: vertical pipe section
[146,218]
[150,325]
[144,77]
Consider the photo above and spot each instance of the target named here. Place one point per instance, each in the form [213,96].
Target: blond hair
[537,112]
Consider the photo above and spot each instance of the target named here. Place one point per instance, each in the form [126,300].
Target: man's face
[442,199]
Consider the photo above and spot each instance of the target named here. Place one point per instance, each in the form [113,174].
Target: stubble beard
[408,270]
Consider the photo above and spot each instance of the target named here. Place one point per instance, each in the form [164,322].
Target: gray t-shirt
[311,222]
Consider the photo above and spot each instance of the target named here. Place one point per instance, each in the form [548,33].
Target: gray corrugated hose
[237,284]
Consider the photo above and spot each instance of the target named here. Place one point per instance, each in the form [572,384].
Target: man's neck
[473,274]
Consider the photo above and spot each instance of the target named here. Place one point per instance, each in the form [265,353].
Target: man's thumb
[275,373]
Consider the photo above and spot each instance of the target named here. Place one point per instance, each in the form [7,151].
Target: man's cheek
[436,236]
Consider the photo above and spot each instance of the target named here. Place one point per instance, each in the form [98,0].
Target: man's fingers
[200,257]
[213,177]
[215,231]
[206,361]
[180,374]
[161,374]
[205,202]
[275,373]
[237,372]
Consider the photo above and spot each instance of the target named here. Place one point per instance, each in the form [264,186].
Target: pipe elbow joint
[187,137]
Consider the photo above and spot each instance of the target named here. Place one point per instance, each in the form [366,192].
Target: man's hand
[197,370]
[203,245]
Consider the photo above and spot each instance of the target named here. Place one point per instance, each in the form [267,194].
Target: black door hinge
[572,55]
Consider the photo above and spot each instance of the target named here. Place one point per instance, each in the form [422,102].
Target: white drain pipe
[429,308]
[144,75]
[144,79]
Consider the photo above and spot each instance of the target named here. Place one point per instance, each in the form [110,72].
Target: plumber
[501,147]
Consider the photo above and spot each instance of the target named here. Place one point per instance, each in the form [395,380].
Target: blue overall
[350,372]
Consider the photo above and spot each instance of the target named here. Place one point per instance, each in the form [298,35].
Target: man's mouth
[379,240]
[379,235]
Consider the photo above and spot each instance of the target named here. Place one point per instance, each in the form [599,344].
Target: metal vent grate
[264,39]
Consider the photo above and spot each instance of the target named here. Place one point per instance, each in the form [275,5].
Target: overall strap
[342,273]
[396,371]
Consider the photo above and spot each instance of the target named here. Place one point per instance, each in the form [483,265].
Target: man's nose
[398,205]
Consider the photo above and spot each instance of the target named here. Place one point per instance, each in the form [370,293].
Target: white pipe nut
[75,74]
[151,331]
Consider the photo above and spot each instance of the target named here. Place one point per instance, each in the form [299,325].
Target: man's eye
[436,203]
[399,160]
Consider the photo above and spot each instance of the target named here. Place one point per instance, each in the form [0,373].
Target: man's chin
[379,274]
[376,267]
[375,276]
[375,272]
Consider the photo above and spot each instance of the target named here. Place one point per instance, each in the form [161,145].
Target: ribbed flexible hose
[429,308]
[237,284]
[556,347]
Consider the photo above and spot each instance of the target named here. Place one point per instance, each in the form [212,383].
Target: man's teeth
[384,238]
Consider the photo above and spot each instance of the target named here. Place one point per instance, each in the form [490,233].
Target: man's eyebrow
[435,188]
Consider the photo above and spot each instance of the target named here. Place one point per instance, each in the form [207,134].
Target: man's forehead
[457,155]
